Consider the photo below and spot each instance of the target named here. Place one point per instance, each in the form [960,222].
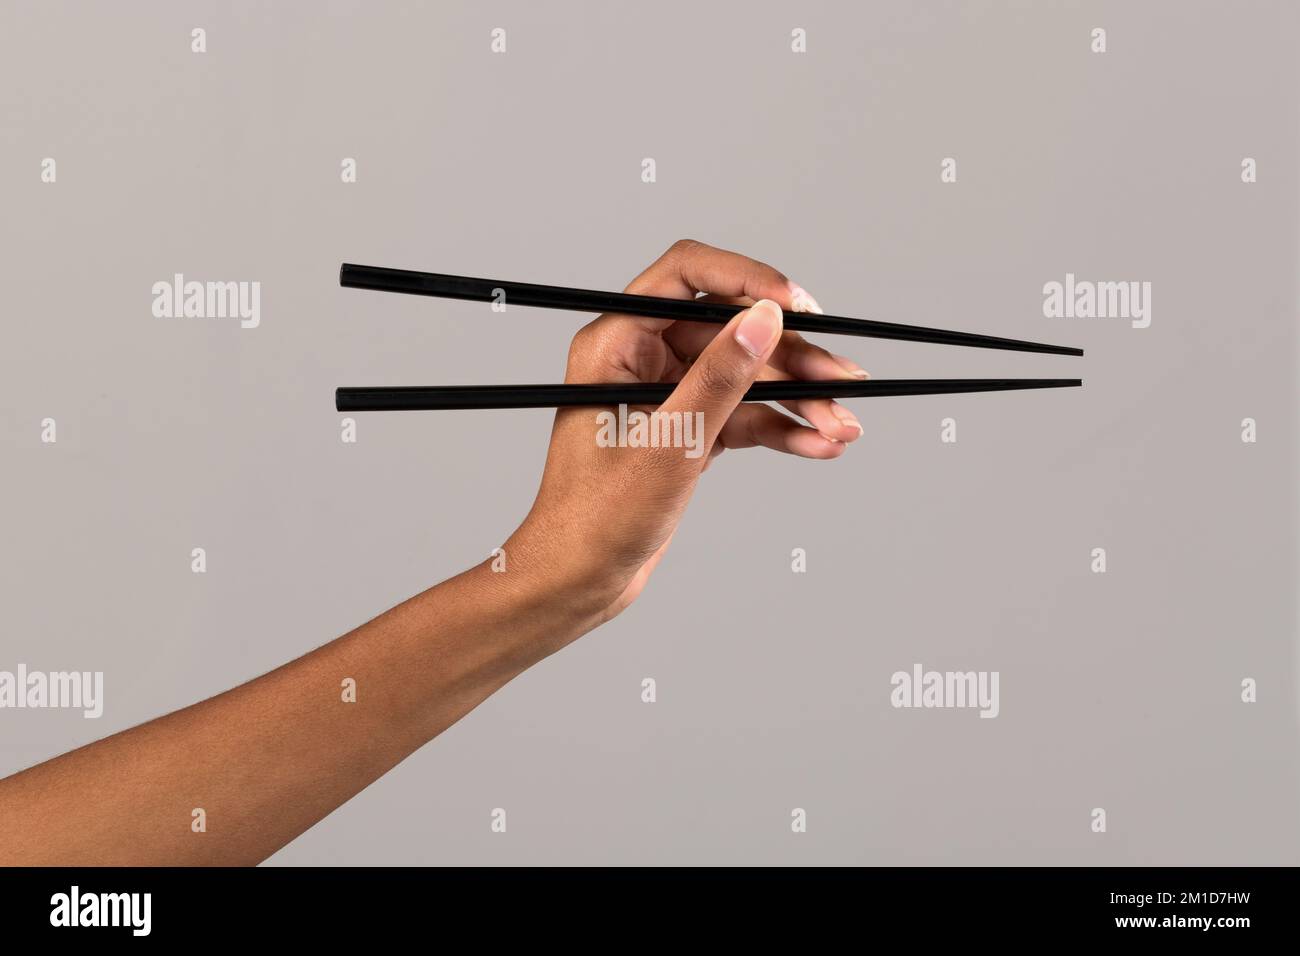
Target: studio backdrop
[1102,578]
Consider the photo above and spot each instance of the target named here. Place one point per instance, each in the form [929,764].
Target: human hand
[604,516]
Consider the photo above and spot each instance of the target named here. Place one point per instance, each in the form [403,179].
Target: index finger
[690,267]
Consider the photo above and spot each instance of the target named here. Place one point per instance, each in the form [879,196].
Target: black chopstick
[447,397]
[586,300]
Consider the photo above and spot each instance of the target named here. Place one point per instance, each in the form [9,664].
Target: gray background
[1118,690]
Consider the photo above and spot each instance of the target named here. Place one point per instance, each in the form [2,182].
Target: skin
[270,758]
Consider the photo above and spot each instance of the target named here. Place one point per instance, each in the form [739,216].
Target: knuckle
[771,274]
[588,348]
[584,340]
[668,264]
[766,277]
[718,376]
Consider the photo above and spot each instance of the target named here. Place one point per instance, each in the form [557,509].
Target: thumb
[724,371]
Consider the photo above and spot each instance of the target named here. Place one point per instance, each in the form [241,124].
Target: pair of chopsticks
[427,397]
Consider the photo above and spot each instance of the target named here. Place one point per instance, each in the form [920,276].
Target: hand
[604,515]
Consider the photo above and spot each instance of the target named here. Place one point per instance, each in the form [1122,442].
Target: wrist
[548,569]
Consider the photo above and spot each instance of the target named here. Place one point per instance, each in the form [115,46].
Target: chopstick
[447,397]
[439,397]
[586,300]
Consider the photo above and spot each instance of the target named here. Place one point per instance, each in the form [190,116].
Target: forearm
[267,760]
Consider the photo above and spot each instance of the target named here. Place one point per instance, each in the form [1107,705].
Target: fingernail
[801,301]
[850,366]
[846,417]
[759,328]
